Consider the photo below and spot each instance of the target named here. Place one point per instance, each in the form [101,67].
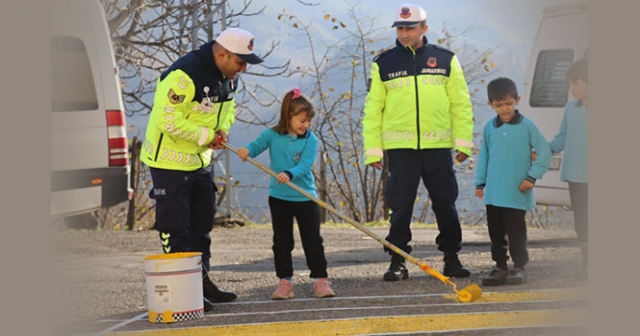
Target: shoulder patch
[178,87]
[175,98]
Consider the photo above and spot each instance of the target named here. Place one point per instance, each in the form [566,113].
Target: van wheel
[81,222]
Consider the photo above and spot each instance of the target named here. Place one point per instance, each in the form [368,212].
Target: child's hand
[480,193]
[282,178]
[243,153]
[525,185]
[534,155]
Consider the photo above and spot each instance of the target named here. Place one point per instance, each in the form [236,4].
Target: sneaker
[515,276]
[284,290]
[495,278]
[323,288]
[397,270]
[453,267]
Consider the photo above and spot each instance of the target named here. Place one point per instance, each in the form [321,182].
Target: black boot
[208,306]
[453,267]
[212,293]
[398,270]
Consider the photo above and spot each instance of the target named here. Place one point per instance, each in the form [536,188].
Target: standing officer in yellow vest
[193,109]
[417,110]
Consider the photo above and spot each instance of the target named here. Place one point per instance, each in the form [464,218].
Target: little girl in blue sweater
[292,150]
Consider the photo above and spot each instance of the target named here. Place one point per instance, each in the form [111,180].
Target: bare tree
[477,65]
[335,79]
[148,36]
[336,75]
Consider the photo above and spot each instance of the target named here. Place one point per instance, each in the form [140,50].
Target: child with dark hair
[505,176]
[292,150]
[572,139]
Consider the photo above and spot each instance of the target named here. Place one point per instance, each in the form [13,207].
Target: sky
[506,27]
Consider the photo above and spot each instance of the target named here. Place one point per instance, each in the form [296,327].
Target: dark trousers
[185,208]
[507,230]
[435,167]
[579,194]
[307,216]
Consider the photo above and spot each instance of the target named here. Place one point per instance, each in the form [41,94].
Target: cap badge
[405,13]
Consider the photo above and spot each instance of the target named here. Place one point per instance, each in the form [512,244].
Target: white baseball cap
[409,15]
[239,42]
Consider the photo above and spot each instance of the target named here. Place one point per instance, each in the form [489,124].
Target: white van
[89,151]
[561,40]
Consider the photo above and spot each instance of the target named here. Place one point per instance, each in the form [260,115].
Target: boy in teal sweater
[573,140]
[505,176]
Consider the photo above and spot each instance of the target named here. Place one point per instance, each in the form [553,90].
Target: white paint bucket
[174,286]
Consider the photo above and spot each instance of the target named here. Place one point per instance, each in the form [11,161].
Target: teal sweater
[505,161]
[573,140]
[294,155]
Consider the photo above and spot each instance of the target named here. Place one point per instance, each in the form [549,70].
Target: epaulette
[442,48]
[375,58]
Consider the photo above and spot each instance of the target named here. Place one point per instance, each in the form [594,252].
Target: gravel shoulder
[100,275]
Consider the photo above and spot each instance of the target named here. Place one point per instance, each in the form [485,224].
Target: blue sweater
[573,140]
[292,154]
[505,161]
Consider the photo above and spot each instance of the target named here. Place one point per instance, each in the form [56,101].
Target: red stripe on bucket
[173,273]
[188,312]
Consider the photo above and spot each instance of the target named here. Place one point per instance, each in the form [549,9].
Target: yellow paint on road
[542,295]
[395,324]
[408,323]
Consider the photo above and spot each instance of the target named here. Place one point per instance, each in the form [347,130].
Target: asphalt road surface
[99,286]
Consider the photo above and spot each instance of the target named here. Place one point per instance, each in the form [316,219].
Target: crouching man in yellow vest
[193,109]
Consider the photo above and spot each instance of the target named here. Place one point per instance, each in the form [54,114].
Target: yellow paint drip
[175,255]
[153,316]
[167,316]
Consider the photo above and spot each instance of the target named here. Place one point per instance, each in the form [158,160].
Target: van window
[549,87]
[72,87]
